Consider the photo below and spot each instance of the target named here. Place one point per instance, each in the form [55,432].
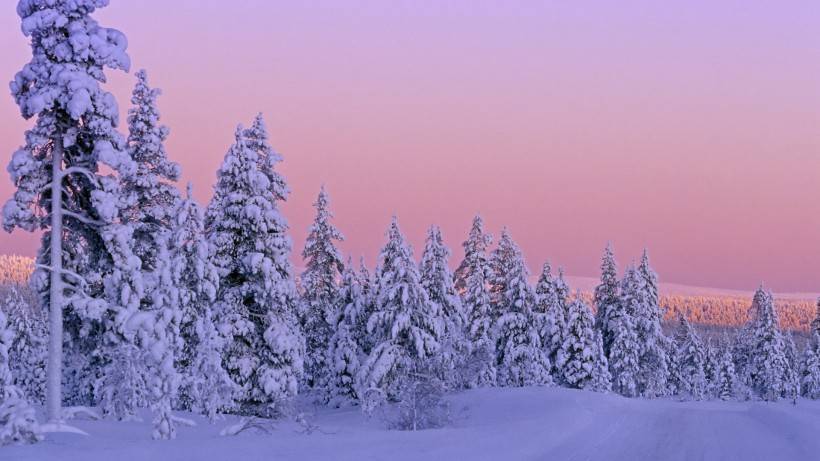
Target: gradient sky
[689,127]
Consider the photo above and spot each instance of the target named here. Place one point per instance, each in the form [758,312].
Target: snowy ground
[493,424]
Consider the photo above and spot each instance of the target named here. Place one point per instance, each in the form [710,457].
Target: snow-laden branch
[83,219]
[67,272]
[80,170]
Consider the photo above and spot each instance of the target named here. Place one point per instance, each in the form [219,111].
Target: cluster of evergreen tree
[156,303]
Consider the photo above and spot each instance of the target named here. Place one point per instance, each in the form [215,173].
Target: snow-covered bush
[420,403]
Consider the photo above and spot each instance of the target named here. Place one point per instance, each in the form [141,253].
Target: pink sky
[692,129]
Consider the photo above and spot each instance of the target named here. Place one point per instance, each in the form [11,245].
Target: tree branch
[83,171]
[83,219]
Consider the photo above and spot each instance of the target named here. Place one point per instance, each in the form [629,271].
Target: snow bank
[491,424]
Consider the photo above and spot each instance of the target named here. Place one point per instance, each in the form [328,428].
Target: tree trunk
[55,315]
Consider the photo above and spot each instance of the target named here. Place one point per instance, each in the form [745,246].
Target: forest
[152,300]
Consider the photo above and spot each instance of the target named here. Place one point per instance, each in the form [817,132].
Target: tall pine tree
[59,188]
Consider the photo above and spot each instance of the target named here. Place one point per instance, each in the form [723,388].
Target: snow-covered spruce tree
[769,371]
[793,372]
[364,308]
[148,202]
[475,254]
[256,297]
[151,194]
[810,369]
[17,419]
[601,377]
[726,385]
[406,326]
[815,324]
[550,319]
[520,361]
[343,351]
[323,266]
[472,281]
[437,281]
[711,367]
[28,352]
[256,138]
[607,297]
[196,281]
[59,189]
[691,358]
[653,361]
[579,350]
[209,387]
[624,351]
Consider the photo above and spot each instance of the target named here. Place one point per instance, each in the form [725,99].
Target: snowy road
[493,424]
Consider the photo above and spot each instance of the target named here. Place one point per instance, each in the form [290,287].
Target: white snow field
[550,424]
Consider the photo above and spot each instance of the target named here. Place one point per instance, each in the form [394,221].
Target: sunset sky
[688,127]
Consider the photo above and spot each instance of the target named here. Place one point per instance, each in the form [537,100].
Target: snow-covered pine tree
[726,383]
[406,326]
[520,361]
[550,319]
[17,419]
[691,358]
[607,297]
[59,188]
[472,281]
[579,350]
[28,352]
[256,296]
[437,281]
[343,352]
[320,292]
[196,282]
[769,371]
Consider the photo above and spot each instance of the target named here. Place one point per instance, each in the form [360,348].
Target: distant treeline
[715,310]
